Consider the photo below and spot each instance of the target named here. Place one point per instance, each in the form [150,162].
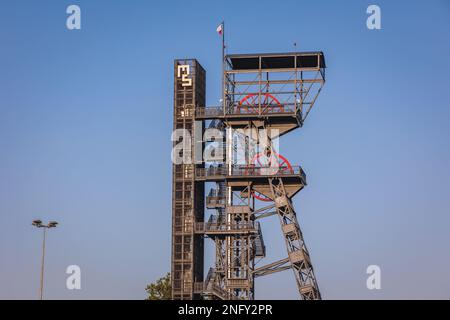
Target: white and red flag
[220,29]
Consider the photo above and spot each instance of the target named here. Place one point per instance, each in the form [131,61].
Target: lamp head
[52,224]
[37,223]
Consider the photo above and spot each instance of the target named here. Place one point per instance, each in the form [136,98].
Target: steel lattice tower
[264,97]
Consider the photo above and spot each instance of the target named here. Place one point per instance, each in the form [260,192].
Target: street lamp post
[38,224]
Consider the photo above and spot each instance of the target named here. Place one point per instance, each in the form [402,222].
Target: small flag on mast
[220,29]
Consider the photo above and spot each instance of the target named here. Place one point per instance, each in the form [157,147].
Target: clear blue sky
[85,124]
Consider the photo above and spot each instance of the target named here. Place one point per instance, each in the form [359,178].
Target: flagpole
[223,65]
[223,41]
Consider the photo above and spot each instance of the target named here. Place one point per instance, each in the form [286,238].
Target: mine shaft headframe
[273,85]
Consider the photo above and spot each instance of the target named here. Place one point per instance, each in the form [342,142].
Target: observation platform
[238,63]
[253,173]
[294,178]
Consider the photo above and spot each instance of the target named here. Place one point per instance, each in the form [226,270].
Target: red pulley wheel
[269,104]
[263,160]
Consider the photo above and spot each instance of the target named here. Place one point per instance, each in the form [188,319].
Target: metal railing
[215,202]
[211,287]
[251,171]
[251,110]
[215,198]
[260,248]
[209,112]
[215,227]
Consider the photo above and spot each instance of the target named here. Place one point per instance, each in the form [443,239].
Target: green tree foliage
[161,289]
